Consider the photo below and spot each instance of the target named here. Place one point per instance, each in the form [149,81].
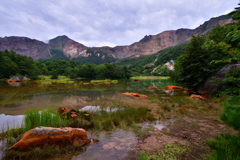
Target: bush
[227,146]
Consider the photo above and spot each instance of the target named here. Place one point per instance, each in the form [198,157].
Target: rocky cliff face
[72,49]
[154,43]
[25,46]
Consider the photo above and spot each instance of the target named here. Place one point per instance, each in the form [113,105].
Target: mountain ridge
[148,45]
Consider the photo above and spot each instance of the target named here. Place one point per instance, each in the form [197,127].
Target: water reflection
[98,108]
[15,84]
[10,121]
[32,95]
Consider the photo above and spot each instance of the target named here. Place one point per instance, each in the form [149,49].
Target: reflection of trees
[15,96]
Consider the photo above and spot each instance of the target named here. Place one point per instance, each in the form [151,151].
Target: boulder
[207,85]
[49,135]
[172,87]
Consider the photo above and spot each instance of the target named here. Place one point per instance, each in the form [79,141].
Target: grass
[34,118]
[43,152]
[225,147]
[168,152]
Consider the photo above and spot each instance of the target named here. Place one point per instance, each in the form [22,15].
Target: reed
[48,118]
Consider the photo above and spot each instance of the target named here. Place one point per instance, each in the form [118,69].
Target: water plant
[35,118]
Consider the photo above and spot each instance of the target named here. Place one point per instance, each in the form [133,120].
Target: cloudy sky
[105,22]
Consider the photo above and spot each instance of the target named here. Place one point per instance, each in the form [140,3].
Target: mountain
[25,46]
[70,48]
[63,47]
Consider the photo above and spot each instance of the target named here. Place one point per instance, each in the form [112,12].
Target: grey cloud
[102,22]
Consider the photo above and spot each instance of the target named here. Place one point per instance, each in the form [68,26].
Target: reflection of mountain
[75,101]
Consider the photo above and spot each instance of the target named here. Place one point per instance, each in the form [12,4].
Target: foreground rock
[49,135]
[135,95]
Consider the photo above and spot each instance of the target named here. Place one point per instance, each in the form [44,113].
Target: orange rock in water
[62,110]
[135,95]
[198,97]
[172,87]
[136,80]
[49,135]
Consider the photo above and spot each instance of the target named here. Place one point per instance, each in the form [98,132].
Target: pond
[16,99]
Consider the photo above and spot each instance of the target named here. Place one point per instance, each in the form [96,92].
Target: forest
[12,64]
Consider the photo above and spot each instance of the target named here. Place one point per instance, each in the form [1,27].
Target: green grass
[226,147]
[48,118]
[173,151]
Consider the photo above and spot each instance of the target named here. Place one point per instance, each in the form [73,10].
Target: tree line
[12,64]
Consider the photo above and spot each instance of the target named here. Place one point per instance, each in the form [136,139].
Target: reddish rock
[49,135]
[135,95]
[62,110]
[172,87]
[198,97]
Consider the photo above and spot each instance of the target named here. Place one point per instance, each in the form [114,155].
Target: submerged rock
[49,135]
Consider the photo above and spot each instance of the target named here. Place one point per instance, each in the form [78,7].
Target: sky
[105,22]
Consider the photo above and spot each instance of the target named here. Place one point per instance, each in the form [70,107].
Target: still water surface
[15,99]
